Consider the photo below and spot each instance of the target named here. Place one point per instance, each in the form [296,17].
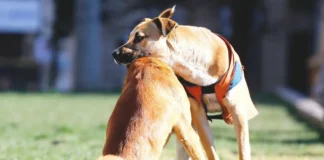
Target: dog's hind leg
[239,104]
[189,139]
[242,131]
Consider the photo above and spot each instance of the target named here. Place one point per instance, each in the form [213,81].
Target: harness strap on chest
[223,85]
[196,92]
[219,88]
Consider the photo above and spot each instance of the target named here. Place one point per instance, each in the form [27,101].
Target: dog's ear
[168,13]
[145,19]
[165,25]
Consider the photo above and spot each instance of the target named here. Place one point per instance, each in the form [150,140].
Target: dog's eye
[138,37]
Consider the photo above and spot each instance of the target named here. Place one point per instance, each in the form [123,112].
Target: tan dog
[202,58]
[153,104]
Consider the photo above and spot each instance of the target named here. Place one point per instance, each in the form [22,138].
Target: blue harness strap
[238,73]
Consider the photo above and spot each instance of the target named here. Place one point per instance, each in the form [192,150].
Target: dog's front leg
[189,138]
[181,152]
[242,131]
[202,126]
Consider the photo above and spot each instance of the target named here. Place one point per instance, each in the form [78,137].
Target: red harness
[219,88]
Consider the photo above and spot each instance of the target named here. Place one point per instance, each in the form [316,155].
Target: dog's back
[149,106]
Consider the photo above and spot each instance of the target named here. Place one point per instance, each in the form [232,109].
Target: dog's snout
[116,56]
[124,55]
[116,53]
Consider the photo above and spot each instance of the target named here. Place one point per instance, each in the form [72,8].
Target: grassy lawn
[64,127]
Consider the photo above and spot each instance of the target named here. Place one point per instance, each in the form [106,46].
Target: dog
[153,104]
[110,157]
[205,62]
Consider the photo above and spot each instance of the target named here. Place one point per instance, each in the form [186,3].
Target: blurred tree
[242,21]
[301,42]
[316,61]
[248,22]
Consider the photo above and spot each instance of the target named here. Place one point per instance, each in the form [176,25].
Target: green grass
[64,127]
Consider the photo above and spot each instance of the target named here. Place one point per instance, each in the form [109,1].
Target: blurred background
[65,46]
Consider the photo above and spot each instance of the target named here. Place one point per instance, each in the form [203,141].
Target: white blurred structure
[65,77]
[20,16]
[42,49]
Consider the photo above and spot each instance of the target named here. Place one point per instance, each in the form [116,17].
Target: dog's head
[148,38]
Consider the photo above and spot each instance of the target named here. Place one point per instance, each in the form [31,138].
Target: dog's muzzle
[123,58]
[116,56]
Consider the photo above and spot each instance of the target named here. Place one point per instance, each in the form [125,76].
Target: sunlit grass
[54,126]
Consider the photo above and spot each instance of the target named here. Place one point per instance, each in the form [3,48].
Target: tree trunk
[316,62]
[242,13]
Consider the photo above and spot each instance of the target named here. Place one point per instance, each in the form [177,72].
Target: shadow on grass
[297,117]
[63,129]
[271,100]
[307,123]
[303,141]
[102,126]
[268,136]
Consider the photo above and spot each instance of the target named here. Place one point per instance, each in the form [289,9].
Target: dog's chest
[212,103]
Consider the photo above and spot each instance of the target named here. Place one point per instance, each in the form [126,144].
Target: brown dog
[204,59]
[110,157]
[153,104]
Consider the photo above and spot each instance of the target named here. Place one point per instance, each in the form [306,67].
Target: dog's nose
[116,53]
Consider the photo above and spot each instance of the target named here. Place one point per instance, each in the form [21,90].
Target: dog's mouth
[126,58]
[123,62]
[116,62]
